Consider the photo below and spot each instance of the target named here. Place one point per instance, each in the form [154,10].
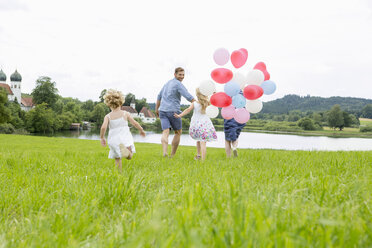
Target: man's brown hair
[178,69]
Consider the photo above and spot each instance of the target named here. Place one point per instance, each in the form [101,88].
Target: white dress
[201,126]
[119,133]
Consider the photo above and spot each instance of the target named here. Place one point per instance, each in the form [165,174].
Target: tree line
[52,111]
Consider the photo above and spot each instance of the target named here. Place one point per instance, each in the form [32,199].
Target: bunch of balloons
[241,93]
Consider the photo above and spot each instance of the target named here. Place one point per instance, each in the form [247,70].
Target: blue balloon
[232,88]
[238,101]
[268,87]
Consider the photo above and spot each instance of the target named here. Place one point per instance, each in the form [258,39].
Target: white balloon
[212,111]
[207,87]
[255,77]
[240,79]
[253,106]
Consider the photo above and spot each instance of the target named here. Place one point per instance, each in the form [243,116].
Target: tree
[65,120]
[140,104]
[17,115]
[45,92]
[58,106]
[99,113]
[4,111]
[317,119]
[336,118]
[128,99]
[88,105]
[40,119]
[347,119]
[306,124]
[367,111]
[74,109]
[103,93]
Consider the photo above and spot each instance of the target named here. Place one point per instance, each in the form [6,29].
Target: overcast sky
[318,47]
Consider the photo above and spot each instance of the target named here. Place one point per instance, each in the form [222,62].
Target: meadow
[57,192]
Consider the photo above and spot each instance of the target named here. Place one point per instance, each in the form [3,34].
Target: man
[168,103]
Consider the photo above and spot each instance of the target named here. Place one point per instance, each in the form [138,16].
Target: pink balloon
[243,50]
[260,66]
[228,112]
[241,115]
[221,56]
[238,58]
[221,75]
[252,92]
[220,99]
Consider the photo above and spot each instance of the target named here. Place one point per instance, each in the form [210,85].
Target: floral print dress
[201,127]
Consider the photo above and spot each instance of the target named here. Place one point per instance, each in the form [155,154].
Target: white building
[145,115]
[14,90]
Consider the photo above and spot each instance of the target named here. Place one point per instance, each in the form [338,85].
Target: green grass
[365,121]
[57,192]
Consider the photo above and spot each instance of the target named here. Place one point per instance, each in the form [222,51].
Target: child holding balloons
[201,127]
[232,130]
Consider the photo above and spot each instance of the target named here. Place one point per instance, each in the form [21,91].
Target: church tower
[2,77]
[15,85]
[133,104]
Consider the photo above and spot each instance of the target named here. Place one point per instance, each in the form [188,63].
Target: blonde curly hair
[113,98]
[203,100]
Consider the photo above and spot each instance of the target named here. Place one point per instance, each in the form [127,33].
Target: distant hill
[313,103]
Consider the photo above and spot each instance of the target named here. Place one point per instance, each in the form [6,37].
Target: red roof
[129,109]
[147,113]
[27,101]
[7,88]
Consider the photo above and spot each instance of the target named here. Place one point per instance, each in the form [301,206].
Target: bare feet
[125,152]
[235,152]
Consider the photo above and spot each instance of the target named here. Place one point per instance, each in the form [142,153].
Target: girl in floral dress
[201,127]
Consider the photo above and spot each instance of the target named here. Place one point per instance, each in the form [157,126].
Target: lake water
[254,141]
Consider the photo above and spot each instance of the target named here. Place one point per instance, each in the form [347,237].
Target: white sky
[318,47]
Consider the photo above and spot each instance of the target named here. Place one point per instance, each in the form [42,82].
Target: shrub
[365,129]
[6,128]
[306,124]
[281,126]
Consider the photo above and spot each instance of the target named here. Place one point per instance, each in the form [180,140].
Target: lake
[253,141]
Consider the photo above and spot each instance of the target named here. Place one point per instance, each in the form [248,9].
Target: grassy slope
[65,192]
[365,121]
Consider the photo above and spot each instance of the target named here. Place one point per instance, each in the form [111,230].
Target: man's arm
[157,108]
[158,102]
[183,91]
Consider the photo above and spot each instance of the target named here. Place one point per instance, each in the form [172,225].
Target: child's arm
[136,124]
[185,112]
[103,130]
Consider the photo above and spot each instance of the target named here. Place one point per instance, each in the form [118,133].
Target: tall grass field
[57,192]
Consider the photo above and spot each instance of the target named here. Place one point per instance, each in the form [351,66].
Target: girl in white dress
[201,127]
[120,139]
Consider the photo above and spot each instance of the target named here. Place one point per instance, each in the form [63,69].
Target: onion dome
[2,76]
[16,77]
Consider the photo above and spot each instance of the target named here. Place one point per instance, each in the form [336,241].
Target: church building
[14,90]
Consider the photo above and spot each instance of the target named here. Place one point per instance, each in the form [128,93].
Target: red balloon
[221,75]
[266,74]
[221,99]
[253,92]
[260,66]
[238,58]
